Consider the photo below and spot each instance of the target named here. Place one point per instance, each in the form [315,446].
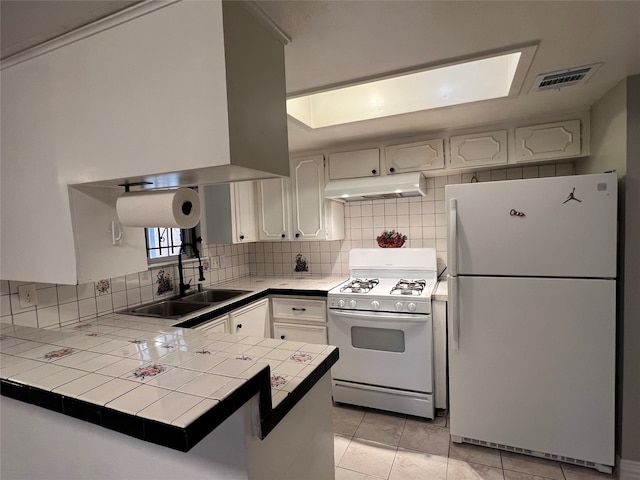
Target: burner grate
[359,285]
[408,287]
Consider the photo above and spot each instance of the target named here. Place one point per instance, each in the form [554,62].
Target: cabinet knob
[392,169]
[281,337]
[298,235]
[298,309]
[241,237]
[283,235]
[239,326]
[374,171]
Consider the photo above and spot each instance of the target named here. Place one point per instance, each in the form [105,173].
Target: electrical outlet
[224,260]
[27,295]
[214,263]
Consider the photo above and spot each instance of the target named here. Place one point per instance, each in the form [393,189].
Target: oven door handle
[381,317]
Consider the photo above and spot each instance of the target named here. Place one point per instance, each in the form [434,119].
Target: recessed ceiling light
[495,76]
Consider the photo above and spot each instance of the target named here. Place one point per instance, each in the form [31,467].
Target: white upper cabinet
[163,92]
[478,149]
[274,209]
[414,157]
[548,141]
[230,213]
[355,164]
[314,217]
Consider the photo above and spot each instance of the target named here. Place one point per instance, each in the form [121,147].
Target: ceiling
[339,42]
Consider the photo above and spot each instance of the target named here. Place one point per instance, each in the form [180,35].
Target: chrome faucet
[181,285]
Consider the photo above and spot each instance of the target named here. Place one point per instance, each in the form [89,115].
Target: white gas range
[381,321]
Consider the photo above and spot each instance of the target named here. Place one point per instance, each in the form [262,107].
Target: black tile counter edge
[177,438]
[194,322]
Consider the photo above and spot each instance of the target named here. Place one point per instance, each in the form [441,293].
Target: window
[164,243]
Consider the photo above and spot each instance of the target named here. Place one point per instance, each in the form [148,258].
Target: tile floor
[370,445]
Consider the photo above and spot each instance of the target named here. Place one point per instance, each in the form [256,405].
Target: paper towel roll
[179,208]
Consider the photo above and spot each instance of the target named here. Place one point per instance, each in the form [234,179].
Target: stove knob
[412,307]
[341,303]
[352,303]
[375,305]
[399,306]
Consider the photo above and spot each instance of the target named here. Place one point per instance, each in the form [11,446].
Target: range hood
[373,188]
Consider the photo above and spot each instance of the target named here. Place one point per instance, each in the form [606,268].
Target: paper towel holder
[134,184]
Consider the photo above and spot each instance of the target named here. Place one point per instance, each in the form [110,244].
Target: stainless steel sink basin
[167,309]
[214,295]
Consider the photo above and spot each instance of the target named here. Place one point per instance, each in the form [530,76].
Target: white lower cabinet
[439,315]
[299,319]
[219,324]
[252,320]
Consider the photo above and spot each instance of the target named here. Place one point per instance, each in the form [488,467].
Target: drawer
[299,309]
[300,333]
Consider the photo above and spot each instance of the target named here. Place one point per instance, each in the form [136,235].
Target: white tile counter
[146,378]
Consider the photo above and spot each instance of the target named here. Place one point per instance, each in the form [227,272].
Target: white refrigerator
[532,316]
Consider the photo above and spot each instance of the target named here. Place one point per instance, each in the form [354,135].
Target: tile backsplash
[64,304]
[422,219]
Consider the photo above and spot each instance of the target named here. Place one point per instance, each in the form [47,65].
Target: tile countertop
[162,383]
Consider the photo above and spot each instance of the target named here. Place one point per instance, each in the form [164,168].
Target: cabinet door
[251,320]
[549,141]
[308,198]
[274,212]
[245,212]
[414,157]
[356,164]
[218,325]
[478,149]
[300,333]
[229,212]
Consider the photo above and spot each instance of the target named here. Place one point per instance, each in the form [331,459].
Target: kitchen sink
[214,295]
[167,309]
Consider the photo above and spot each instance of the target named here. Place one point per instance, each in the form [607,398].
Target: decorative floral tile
[63,352]
[103,287]
[165,282]
[301,357]
[278,380]
[148,371]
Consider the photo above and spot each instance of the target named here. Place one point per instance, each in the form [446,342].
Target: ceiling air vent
[564,78]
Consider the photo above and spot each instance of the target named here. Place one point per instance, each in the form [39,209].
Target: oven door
[392,350]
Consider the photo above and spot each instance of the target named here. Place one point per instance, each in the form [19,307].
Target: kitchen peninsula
[139,397]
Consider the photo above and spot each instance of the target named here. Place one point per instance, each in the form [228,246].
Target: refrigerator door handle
[454,318]
[453,237]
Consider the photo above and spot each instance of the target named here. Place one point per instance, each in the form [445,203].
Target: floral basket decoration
[391,239]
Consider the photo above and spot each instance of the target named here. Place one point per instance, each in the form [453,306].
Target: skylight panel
[470,81]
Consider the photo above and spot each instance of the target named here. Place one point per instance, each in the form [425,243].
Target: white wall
[615,144]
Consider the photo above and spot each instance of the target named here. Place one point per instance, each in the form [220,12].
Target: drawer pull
[298,309]
[239,326]
[281,337]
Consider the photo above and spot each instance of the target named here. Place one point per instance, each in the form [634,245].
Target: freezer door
[558,227]
[535,367]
